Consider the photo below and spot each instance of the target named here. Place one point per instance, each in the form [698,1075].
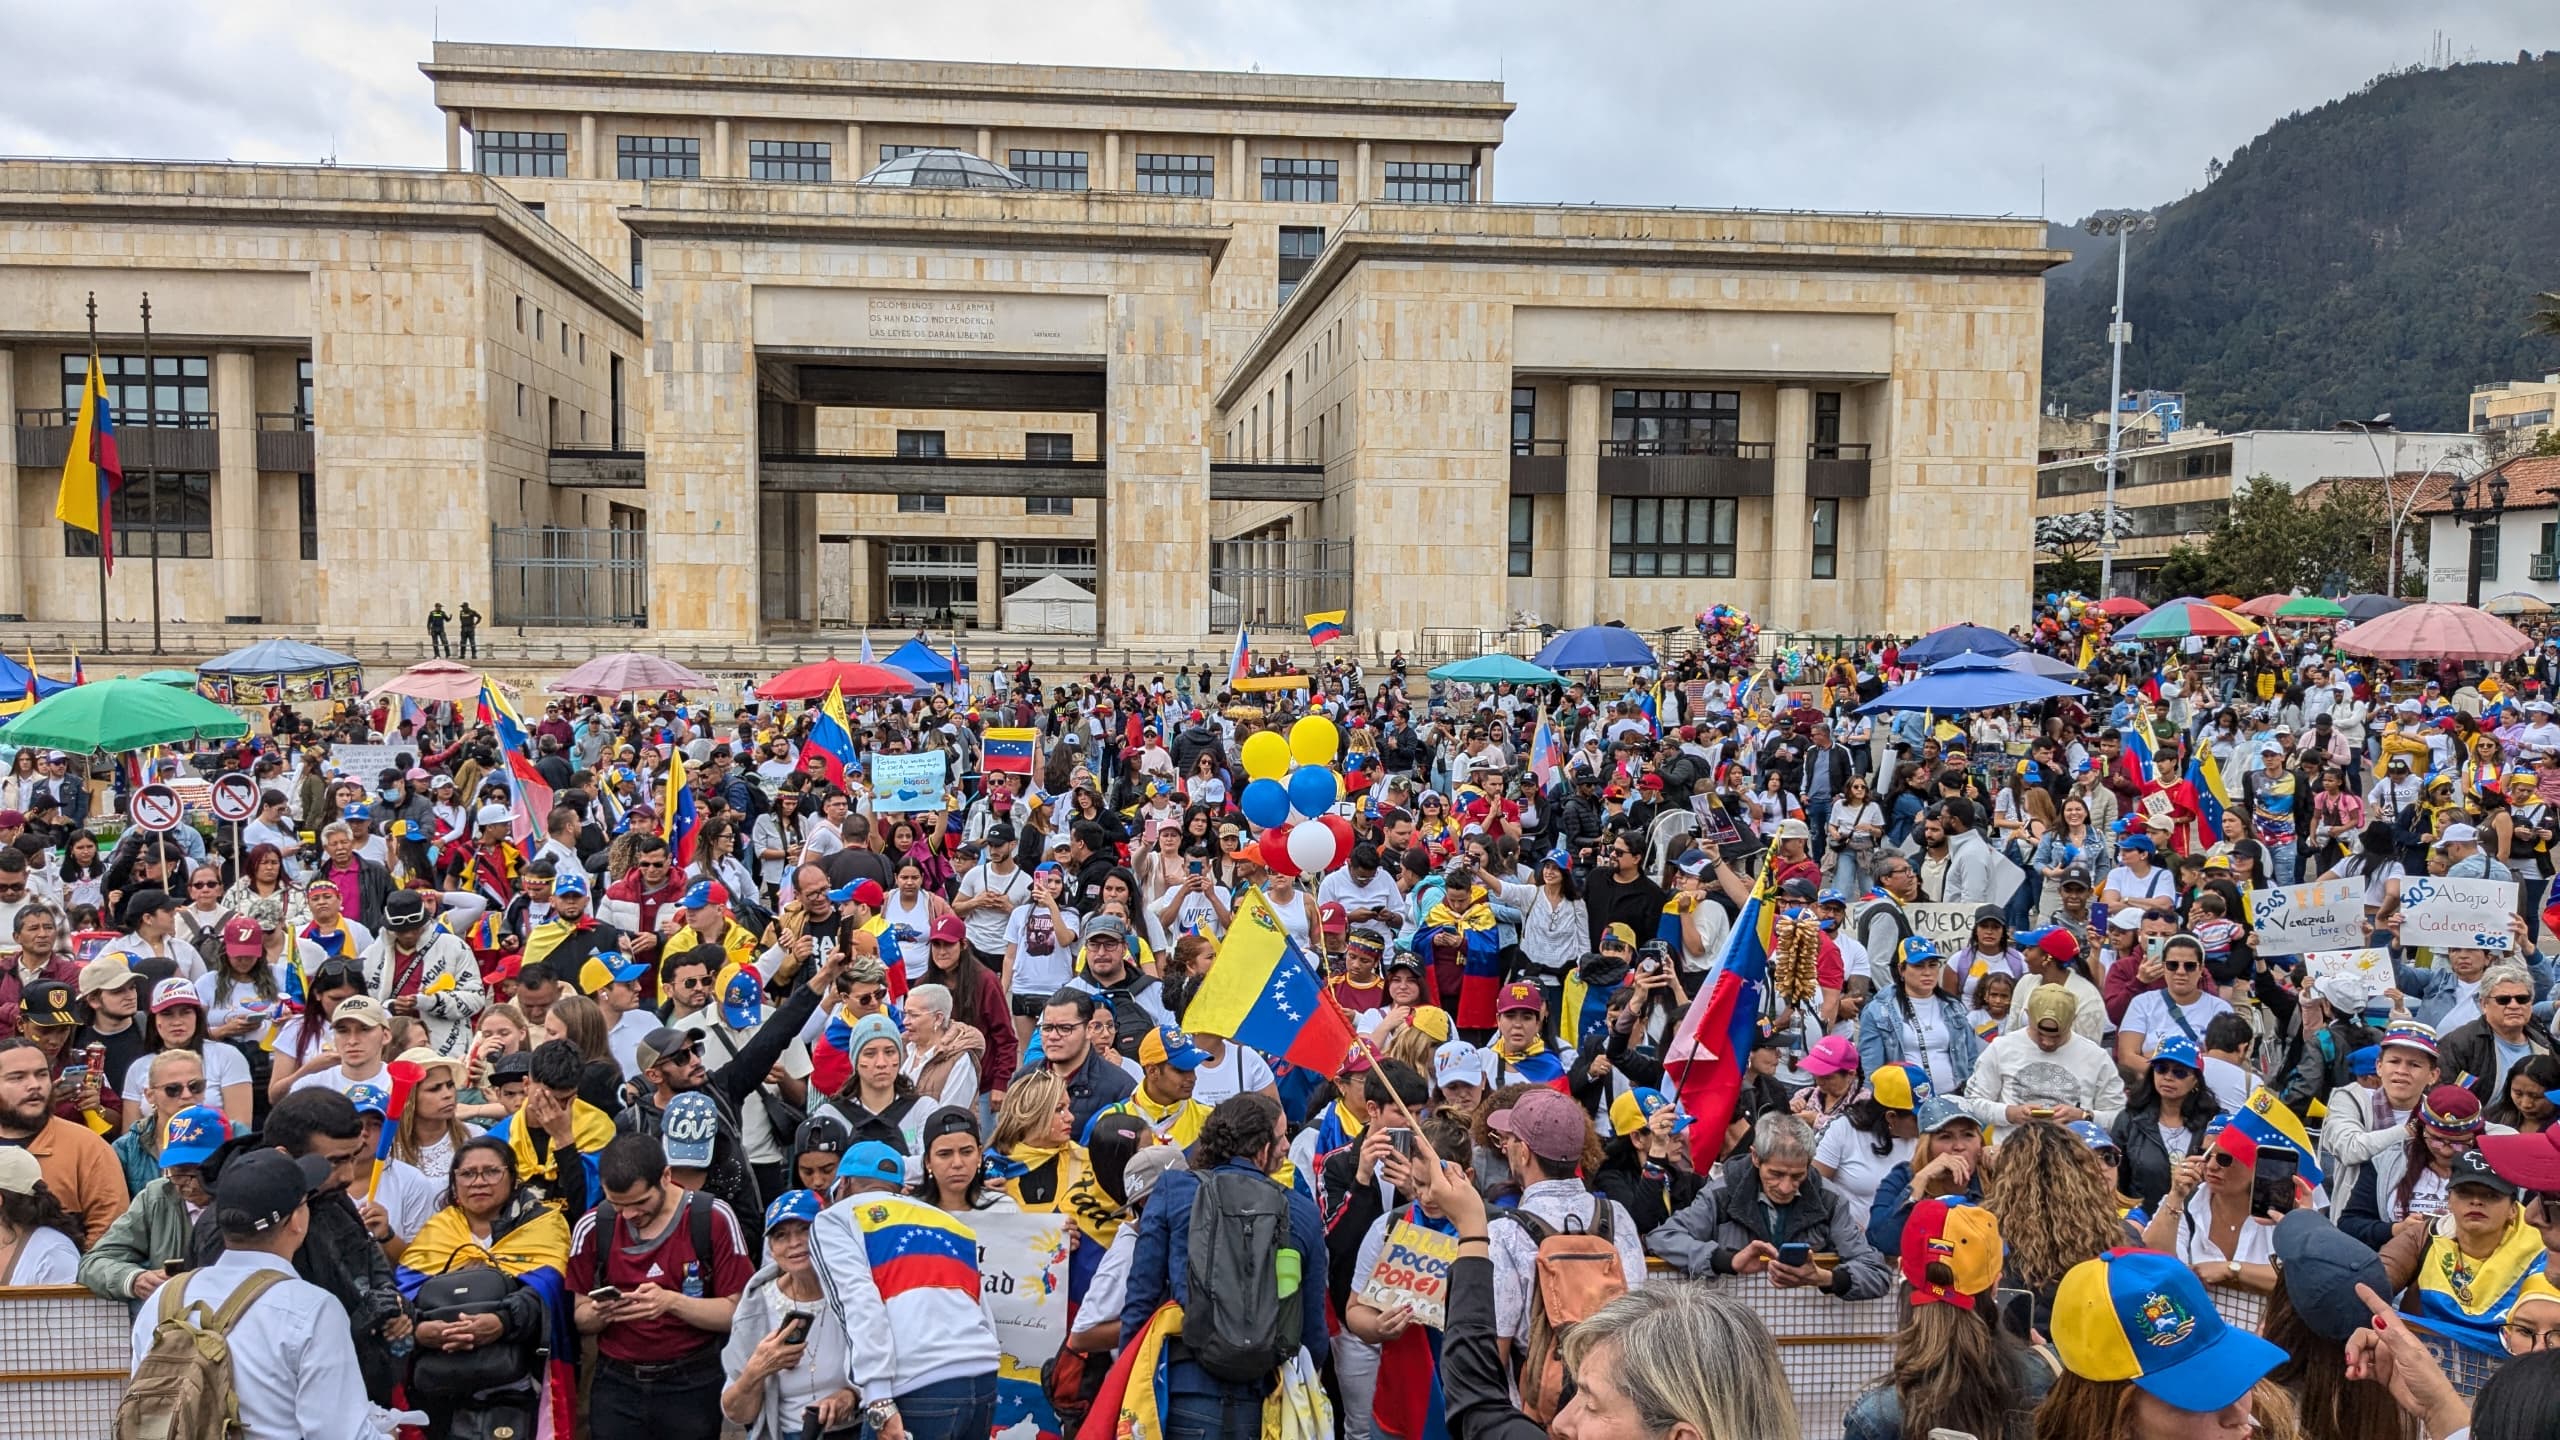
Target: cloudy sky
[1986,107]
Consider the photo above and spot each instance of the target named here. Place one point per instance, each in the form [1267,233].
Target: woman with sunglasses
[174,1082]
[2181,1006]
[2463,1273]
[178,1023]
[2205,1218]
[2167,1117]
[2404,1188]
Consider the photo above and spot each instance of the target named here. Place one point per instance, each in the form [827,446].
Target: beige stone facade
[646,354]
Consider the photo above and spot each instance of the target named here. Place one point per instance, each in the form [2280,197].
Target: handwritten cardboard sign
[1413,1270]
[2444,913]
[2297,919]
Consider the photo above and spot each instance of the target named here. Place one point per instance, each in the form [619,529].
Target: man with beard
[78,1167]
[806,936]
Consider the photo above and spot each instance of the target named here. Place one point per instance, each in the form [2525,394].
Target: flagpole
[102,526]
[151,466]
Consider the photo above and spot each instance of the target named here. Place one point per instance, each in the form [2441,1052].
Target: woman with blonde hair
[2145,1356]
[2055,1209]
[1033,1150]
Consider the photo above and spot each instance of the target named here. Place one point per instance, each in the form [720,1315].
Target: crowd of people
[670,1113]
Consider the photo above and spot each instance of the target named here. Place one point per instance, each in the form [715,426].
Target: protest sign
[2369,965]
[2296,919]
[1413,1270]
[1022,1274]
[1949,927]
[906,782]
[2441,913]
[365,763]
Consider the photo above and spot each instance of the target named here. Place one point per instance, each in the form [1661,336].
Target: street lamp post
[2118,332]
[2383,472]
[2483,520]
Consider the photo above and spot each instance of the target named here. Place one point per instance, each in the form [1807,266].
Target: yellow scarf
[446,1241]
[592,1128]
[1478,914]
[1175,1123]
[1537,1046]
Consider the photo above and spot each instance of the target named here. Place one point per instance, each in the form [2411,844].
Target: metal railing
[1275,584]
[1719,449]
[59,419]
[1835,450]
[551,575]
[284,420]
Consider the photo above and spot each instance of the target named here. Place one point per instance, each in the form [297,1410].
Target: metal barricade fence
[1831,1349]
[65,1354]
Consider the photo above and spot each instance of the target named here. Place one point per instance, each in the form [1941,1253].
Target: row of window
[541,153]
[1692,537]
[1038,445]
[1673,421]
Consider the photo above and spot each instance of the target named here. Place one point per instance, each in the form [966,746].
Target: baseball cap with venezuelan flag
[2143,1316]
[607,967]
[1635,1109]
[1900,1086]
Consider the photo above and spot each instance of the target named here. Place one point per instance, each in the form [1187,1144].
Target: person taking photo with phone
[785,1359]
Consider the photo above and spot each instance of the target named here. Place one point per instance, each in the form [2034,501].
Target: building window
[1676,422]
[1430,183]
[1025,564]
[933,580]
[894,152]
[1317,180]
[519,314]
[582,347]
[183,528]
[920,445]
[923,504]
[2202,464]
[2484,553]
[1521,508]
[1690,537]
[1299,247]
[522,152]
[656,157]
[539,330]
[179,397]
[1178,175]
[808,160]
[1826,539]
[1826,424]
[639,267]
[307,514]
[1049,169]
[1048,505]
[302,392]
[1048,448]
[1524,425]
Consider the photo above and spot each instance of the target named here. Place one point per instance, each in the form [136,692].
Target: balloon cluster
[1289,796]
[2065,617]
[1730,635]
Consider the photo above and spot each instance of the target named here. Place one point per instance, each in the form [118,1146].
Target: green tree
[2183,571]
[2263,545]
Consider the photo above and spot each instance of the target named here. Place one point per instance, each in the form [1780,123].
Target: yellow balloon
[1266,755]
[1313,740]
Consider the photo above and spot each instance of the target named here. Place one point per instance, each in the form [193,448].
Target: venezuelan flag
[2266,1120]
[681,821]
[914,1246]
[2201,792]
[1712,1048]
[1261,993]
[531,794]
[1325,626]
[2141,755]
[91,472]
[1012,752]
[831,735]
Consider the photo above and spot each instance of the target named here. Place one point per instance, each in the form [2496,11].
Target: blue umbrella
[1497,670]
[276,657]
[13,682]
[1596,647]
[918,659]
[2025,662]
[2369,607]
[1954,640]
[1974,683]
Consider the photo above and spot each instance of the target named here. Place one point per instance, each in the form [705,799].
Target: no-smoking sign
[156,808]
[235,798]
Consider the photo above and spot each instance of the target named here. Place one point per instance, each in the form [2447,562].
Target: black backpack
[458,1295]
[1241,1315]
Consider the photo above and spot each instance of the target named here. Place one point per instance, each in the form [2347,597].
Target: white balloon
[1311,848]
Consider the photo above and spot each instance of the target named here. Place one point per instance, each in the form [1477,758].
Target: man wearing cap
[573,934]
[707,922]
[426,973]
[2045,1070]
[406,816]
[1136,997]
[113,992]
[78,1167]
[903,1279]
[651,886]
[33,930]
[2054,958]
[1166,1059]
[1543,1134]
[667,1305]
[1768,1199]
[988,893]
[293,1359]
[2466,860]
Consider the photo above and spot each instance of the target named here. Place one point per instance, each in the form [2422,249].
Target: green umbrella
[120,715]
[1496,670]
[2311,607]
[183,679]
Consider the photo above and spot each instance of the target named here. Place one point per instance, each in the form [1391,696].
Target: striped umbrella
[2180,618]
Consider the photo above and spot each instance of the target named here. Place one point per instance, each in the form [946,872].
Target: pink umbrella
[436,681]
[628,673]
[2436,632]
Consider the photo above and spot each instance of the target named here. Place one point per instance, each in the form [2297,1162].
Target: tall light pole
[2118,332]
[2383,470]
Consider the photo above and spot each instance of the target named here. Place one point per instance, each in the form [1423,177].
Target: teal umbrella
[120,715]
[1497,670]
[186,678]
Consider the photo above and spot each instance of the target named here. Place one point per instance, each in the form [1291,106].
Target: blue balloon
[1312,790]
[1265,803]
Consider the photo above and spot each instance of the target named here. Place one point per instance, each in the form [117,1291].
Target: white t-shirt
[223,1065]
[1239,1070]
[2153,1015]
[405,1194]
[987,927]
[225,997]
[1108,1290]
[1197,913]
[1856,1168]
[2256,1241]
[625,1037]
[336,1078]
[46,1256]
[2229,1083]
[918,918]
[2159,884]
[1379,894]
[1035,974]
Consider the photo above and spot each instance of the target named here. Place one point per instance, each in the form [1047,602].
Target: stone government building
[753,348]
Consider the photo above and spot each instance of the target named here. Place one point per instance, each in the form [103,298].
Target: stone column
[13,584]
[854,164]
[1790,529]
[1585,545]
[990,585]
[235,489]
[987,144]
[590,164]
[1484,174]
[1244,187]
[1360,174]
[716,165]
[452,140]
[1111,163]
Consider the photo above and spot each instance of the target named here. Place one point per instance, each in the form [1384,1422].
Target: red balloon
[1275,850]
[1343,839]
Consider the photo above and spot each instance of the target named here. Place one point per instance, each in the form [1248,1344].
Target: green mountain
[2379,253]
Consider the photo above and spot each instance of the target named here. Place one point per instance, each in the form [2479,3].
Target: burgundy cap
[2532,1161]
[950,929]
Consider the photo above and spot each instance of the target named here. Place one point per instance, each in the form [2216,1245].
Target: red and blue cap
[2143,1316]
[194,1134]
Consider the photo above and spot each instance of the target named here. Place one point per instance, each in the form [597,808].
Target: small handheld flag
[682,822]
[1011,751]
[831,735]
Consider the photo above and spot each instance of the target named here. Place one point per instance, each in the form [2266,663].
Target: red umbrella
[811,682]
[2436,632]
[2262,608]
[629,673]
[2121,607]
[435,681]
